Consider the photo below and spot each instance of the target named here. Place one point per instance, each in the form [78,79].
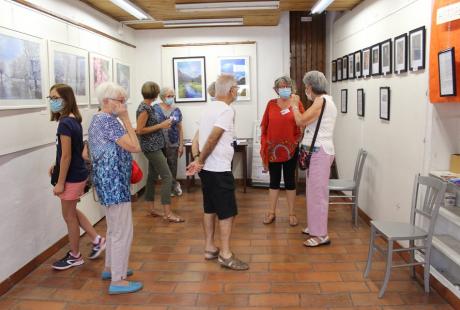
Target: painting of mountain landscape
[189,79]
[239,68]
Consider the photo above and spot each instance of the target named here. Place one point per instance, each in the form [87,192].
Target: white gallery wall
[31,219]
[418,138]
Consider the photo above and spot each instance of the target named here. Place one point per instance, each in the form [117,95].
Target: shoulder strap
[317,126]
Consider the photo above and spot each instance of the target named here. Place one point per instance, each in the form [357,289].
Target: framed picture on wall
[417,49]
[375,60]
[385,103]
[69,65]
[447,79]
[387,59]
[358,64]
[23,83]
[344,67]
[360,102]
[334,71]
[366,62]
[189,79]
[123,76]
[100,71]
[351,66]
[343,100]
[400,53]
[339,69]
[238,67]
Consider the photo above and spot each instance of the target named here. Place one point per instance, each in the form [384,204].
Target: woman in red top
[279,146]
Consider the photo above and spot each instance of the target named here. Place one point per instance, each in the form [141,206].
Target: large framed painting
[22,71]
[69,65]
[239,67]
[189,79]
[100,71]
[122,75]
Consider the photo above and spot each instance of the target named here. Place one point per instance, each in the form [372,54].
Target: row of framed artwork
[189,75]
[378,58]
[28,64]
[384,102]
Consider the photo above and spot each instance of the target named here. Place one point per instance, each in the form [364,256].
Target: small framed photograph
[343,100]
[385,103]
[360,102]
[387,59]
[339,69]
[375,60]
[400,52]
[334,71]
[417,49]
[344,67]
[351,66]
[358,64]
[366,62]
[447,80]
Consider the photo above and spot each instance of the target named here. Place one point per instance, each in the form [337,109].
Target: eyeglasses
[52,98]
[170,96]
[122,101]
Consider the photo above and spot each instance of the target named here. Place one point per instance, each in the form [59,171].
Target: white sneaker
[178,189]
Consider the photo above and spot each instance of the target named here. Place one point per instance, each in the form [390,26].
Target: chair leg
[371,252]
[412,258]
[426,270]
[388,269]
[355,210]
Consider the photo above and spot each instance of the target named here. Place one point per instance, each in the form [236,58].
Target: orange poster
[443,36]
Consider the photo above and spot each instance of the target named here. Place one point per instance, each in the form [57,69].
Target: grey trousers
[171,157]
[158,166]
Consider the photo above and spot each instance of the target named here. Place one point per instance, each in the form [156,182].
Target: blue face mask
[285,92]
[56,105]
[169,101]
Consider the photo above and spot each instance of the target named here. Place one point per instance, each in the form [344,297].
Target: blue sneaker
[125,289]
[106,275]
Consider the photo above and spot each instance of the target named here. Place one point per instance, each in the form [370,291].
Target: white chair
[427,195]
[346,185]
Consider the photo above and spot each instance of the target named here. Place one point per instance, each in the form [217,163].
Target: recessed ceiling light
[176,23]
[132,9]
[219,6]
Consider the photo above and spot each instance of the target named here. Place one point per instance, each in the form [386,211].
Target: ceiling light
[176,23]
[131,8]
[320,6]
[219,6]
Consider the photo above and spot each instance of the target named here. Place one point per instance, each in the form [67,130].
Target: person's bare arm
[196,145]
[128,141]
[142,129]
[180,150]
[310,115]
[66,157]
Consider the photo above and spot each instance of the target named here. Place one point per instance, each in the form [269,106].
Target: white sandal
[317,241]
[305,231]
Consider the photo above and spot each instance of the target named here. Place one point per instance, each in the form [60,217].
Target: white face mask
[308,96]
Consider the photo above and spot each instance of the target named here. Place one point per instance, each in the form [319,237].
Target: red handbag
[136,173]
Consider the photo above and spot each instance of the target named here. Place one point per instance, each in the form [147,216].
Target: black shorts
[218,193]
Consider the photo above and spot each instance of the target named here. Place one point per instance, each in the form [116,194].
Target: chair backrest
[427,196]
[362,154]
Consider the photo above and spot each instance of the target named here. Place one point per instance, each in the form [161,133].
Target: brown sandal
[210,255]
[172,218]
[232,263]
[293,220]
[269,218]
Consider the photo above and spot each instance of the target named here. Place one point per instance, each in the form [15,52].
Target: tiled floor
[283,273]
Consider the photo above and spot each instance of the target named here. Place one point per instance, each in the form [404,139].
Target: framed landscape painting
[22,70]
[189,79]
[238,67]
[100,70]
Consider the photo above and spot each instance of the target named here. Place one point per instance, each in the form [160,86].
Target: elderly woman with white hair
[173,136]
[110,146]
[323,155]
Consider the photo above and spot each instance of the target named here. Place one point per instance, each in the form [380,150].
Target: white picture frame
[24,88]
[69,65]
[238,66]
[123,76]
[100,71]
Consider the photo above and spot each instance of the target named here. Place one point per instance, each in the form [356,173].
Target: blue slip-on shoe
[106,275]
[125,289]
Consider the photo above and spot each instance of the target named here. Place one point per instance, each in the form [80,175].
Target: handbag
[136,172]
[304,154]
[55,175]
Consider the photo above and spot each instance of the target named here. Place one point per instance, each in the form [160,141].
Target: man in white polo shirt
[213,162]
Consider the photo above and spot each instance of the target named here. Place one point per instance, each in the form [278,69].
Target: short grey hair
[224,84]
[287,80]
[317,81]
[109,90]
[212,89]
[165,90]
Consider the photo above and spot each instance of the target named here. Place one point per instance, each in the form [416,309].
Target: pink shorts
[73,191]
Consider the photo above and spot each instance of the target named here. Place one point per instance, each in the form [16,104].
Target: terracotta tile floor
[283,273]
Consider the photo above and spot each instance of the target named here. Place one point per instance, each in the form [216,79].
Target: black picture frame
[351,67]
[417,47]
[366,62]
[339,69]
[376,60]
[447,73]
[386,50]
[344,100]
[180,79]
[345,68]
[384,100]
[360,102]
[400,54]
[358,59]
[334,71]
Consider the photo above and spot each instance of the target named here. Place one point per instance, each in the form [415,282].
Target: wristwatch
[195,157]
